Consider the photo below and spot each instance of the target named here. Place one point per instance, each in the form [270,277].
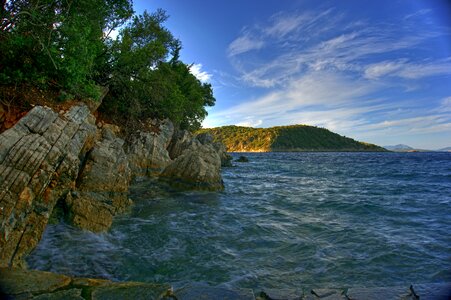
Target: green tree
[56,43]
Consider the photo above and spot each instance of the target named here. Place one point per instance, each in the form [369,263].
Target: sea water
[284,220]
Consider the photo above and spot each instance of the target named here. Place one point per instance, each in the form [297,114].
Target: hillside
[285,138]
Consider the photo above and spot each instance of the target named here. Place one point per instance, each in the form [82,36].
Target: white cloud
[250,123]
[421,12]
[196,70]
[407,70]
[244,44]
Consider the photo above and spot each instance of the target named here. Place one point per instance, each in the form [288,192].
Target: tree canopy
[65,45]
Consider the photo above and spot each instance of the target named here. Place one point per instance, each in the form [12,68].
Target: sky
[376,71]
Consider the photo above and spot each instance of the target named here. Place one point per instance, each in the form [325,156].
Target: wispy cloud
[245,43]
[407,70]
[196,70]
[327,69]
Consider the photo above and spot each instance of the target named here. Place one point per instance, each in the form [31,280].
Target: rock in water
[199,167]
[102,185]
[148,152]
[39,161]
[242,159]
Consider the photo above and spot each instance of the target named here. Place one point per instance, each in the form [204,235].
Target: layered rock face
[49,158]
[101,186]
[147,152]
[39,162]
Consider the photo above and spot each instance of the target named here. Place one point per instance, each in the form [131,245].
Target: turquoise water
[285,220]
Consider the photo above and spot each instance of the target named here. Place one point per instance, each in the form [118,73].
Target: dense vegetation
[286,138]
[65,47]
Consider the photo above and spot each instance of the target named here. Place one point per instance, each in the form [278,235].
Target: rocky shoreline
[71,165]
[24,284]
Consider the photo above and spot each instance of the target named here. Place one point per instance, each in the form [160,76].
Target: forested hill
[286,138]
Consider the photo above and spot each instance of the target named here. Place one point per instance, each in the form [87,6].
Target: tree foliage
[286,138]
[65,45]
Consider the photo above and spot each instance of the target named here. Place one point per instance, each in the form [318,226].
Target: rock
[181,140]
[19,282]
[147,151]
[39,162]
[102,185]
[226,159]
[205,138]
[130,290]
[71,294]
[242,159]
[194,292]
[199,167]
[24,284]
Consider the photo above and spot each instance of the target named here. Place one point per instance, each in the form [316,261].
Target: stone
[130,290]
[39,161]
[380,293]
[226,158]
[102,185]
[71,294]
[280,294]
[181,140]
[205,138]
[15,281]
[242,159]
[199,168]
[147,151]
[197,292]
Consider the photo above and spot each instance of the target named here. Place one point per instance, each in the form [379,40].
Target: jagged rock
[199,167]
[205,138]
[39,161]
[102,185]
[181,140]
[147,151]
[226,159]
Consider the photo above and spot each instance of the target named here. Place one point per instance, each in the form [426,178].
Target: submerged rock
[199,167]
[242,159]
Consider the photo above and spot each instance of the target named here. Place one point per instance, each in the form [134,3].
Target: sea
[283,221]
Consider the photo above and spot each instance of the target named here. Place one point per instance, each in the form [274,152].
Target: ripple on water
[284,220]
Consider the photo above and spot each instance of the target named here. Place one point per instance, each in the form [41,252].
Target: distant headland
[293,138]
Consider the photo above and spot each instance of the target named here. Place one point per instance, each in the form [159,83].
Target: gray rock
[195,292]
[130,290]
[39,161]
[102,185]
[181,140]
[18,281]
[199,167]
[71,294]
[147,151]
[205,138]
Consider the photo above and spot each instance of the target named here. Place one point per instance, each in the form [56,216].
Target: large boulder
[199,167]
[102,185]
[147,150]
[39,162]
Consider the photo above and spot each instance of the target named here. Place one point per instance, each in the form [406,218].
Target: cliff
[285,139]
[70,165]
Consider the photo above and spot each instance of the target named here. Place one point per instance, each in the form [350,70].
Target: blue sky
[376,71]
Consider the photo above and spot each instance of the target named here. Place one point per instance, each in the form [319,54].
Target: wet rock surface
[64,160]
[25,284]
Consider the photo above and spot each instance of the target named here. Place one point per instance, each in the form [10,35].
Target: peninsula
[294,138]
